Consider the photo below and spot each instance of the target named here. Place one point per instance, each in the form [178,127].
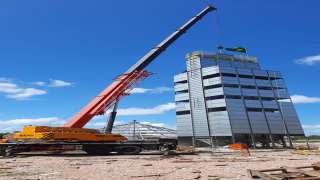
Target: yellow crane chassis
[45,133]
[93,142]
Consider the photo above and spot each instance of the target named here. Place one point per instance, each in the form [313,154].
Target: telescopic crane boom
[120,86]
[73,135]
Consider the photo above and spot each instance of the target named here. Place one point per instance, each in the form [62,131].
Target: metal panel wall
[198,110]
[210,70]
[216,103]
[275,74]
[213,92]
[212,81]
[270,104]
[282,93]
[251,65]
[181,87]
[238,117]
[245,71]
[258,122]
[220,124]
[263,83]
[229,80]
[249,92]
[182,106]
[291,117]
[181,97]
[238,64]
[260,73]
[276,123]
[184,125]
[246,81]
[232,91]
[266,93]
[278,83]
[180,77]
[229,70]
[253,103]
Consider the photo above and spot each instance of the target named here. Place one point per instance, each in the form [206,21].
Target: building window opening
[211,76]
[262,77]
[214,97]
[271,110]
[213,86]
[231,85]
[229,75]
[254,109]
[181,82]
[267,98]
[217,109]
[251,98]
[182,112]
[183,101]
[246,76]
[181,92]
[265,88]
[233,97]
[248,87]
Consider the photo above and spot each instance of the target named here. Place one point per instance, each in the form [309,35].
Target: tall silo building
[223,98]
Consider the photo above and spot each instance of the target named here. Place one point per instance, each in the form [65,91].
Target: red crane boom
[124,82]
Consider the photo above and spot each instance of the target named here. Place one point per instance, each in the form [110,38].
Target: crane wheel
[7,151]
[129,150]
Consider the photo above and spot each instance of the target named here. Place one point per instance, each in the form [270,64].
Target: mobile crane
[73,136]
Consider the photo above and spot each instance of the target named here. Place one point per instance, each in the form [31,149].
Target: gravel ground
[225,165]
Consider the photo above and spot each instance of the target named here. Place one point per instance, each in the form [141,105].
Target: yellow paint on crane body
[45,133]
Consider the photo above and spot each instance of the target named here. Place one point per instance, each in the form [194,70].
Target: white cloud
[59,83]
[139,90]
[160,109]
[309,60]
[157,90]
[312,129]
[13,91]
[300,99]
[40,83]
[27,93]
[316,126]
[9,88]
[53,83]
[17,124]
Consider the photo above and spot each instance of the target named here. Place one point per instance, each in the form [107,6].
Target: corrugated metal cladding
[227,96]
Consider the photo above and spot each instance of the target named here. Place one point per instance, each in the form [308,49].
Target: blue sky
[57,55]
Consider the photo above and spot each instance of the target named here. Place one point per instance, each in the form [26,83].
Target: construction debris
[287,173]
[207,166]
[306,152]
[145,176]
[186,149]
[213,177]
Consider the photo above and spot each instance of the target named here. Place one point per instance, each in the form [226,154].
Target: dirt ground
[224,165]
